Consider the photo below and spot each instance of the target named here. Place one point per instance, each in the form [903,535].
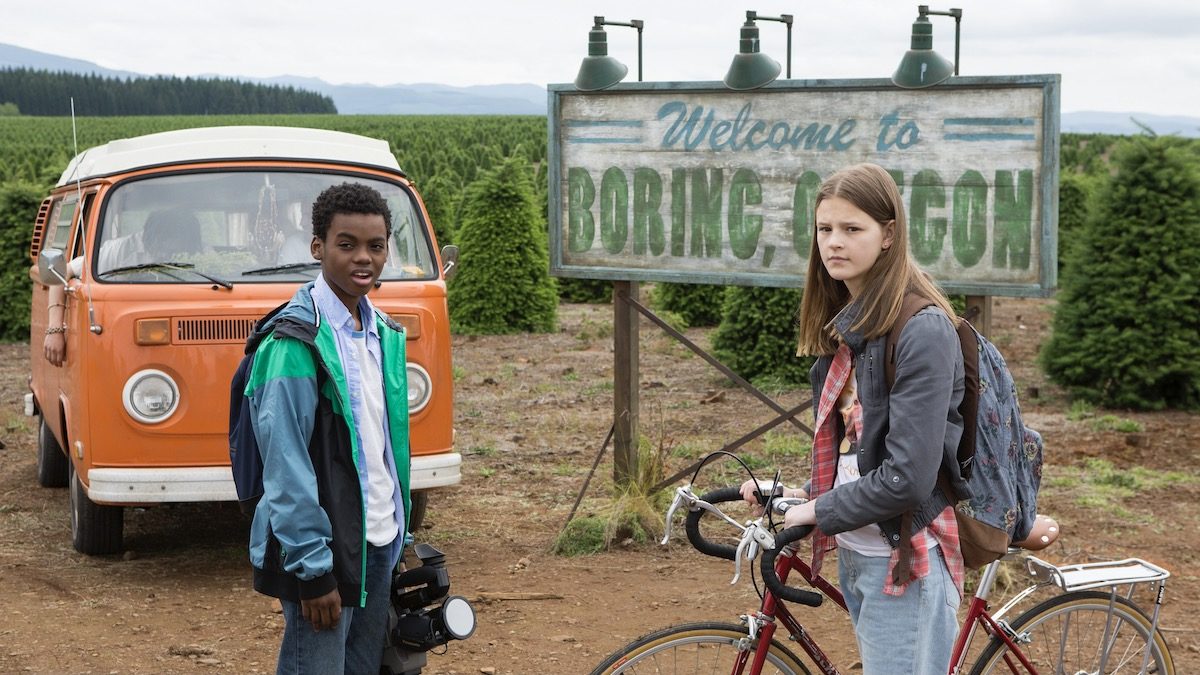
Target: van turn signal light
[154,331]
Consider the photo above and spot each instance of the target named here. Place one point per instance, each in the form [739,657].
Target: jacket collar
[842,322]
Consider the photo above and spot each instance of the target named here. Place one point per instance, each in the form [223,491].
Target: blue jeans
[355,645]
[912,633]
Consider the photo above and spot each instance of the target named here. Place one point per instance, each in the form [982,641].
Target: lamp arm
[956,12]
[752,16]
[632,23]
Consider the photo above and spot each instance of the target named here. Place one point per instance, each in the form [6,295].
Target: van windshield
[240,227]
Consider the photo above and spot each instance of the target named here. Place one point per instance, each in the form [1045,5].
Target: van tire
[416,514]
[52,463]
[95,528]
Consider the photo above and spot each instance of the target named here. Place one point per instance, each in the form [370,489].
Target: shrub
[757,335]
[592,291]
[18,210]
[697,304]
[1126,332]
[1076,191]
[503,283]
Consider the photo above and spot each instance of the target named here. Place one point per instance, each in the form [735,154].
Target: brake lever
[755,538]
[683,495]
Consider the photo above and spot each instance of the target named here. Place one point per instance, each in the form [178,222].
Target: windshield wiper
[311,264]
[183,266]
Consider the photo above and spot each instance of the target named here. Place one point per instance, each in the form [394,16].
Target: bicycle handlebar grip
[771,579]
[692,524]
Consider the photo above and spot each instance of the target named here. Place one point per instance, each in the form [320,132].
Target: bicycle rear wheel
[694,648]
[1072,633]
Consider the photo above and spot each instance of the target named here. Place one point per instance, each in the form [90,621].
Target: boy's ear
[315,247]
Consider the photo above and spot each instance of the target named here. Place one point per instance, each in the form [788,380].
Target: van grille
[201,330]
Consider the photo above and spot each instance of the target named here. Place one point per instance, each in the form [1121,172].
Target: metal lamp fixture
[751,68]
[599,70]
[921,66]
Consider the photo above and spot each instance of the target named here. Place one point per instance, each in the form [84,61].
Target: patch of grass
[787,445]
[597,388]
[1080,410]
[1098,484]
[633,511]
[591,329]
[486,472]
[564,469]
[482,450]
[16,423]
[458,373]
[1114,423]
[774,385]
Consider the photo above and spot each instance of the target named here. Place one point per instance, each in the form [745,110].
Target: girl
[877,452]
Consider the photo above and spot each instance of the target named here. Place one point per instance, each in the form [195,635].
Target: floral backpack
[999,458]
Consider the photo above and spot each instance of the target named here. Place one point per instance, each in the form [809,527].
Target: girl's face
[850,241]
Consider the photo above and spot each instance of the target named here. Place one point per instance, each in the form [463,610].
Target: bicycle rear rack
[1087,576]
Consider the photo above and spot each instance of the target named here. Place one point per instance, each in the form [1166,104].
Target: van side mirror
[52,267]
[449,261]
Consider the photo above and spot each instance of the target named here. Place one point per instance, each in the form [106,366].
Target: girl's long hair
[894,274]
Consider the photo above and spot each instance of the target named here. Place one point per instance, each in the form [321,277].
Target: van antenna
[87,285]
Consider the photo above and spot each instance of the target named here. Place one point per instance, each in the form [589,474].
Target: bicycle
[1079,630]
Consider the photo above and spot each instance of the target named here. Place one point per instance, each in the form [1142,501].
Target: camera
[423,615]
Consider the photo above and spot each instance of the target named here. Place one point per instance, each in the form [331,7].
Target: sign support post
[625,382]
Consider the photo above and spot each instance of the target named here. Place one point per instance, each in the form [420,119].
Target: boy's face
[352,255]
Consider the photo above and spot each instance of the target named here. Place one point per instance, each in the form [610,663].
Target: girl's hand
[801,514]
[55,348]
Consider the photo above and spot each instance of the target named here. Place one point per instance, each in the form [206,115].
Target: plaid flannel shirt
[944,528]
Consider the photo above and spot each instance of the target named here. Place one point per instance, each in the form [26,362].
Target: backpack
[999,458]
[244,457]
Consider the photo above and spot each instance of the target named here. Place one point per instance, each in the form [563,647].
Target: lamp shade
[921,66]
[599,70]
[751,68]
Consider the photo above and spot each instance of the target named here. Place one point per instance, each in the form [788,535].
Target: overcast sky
[1113,55]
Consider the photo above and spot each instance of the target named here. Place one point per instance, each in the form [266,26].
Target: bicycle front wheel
[694,648]
[1074,633]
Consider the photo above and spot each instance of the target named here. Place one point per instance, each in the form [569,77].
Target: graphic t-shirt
[868,539]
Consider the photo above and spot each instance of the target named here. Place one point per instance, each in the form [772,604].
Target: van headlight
[150,396]
[420,388]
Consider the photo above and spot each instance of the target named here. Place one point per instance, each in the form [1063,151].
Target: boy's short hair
[348,198]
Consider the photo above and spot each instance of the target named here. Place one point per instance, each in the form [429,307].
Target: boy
[328,392]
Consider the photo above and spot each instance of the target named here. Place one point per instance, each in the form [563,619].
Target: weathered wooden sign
[692,182]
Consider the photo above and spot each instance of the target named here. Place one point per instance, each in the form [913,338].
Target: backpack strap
[912,304]
[969,409]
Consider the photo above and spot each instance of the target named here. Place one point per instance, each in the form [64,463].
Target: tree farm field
[531,413]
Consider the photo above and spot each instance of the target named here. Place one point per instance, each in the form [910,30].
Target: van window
[239,226]
[61,221]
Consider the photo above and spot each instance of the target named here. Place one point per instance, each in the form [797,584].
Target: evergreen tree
[757,335]
[1127,328]
[592,291]
[697,304]
[503,283]
[18,210]
[1076,192]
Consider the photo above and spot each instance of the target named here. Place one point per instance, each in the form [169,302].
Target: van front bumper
[176,484]
[215,483]
[434,471]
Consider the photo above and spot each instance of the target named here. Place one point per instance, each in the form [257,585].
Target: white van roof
[228,143]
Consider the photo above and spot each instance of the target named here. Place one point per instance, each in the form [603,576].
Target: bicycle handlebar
[771,580]
[728,552]
[718,496]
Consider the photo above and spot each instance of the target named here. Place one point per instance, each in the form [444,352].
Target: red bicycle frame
[977,615]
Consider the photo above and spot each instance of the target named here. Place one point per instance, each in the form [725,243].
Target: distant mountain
[350,99]
[522,99]
[12,56]
[1090,122]
[424,99]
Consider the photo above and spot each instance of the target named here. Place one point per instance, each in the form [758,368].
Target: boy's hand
[324,611]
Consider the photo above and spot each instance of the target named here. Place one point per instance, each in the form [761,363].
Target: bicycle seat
[1045,531]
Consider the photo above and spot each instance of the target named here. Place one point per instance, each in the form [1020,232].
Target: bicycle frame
[772,609]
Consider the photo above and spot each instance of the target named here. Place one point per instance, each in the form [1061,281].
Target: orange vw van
[170,247]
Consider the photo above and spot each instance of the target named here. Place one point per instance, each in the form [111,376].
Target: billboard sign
[692,182]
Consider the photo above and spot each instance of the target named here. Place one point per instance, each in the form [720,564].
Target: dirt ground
[532,412]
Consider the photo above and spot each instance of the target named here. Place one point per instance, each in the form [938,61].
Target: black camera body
[422,615]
